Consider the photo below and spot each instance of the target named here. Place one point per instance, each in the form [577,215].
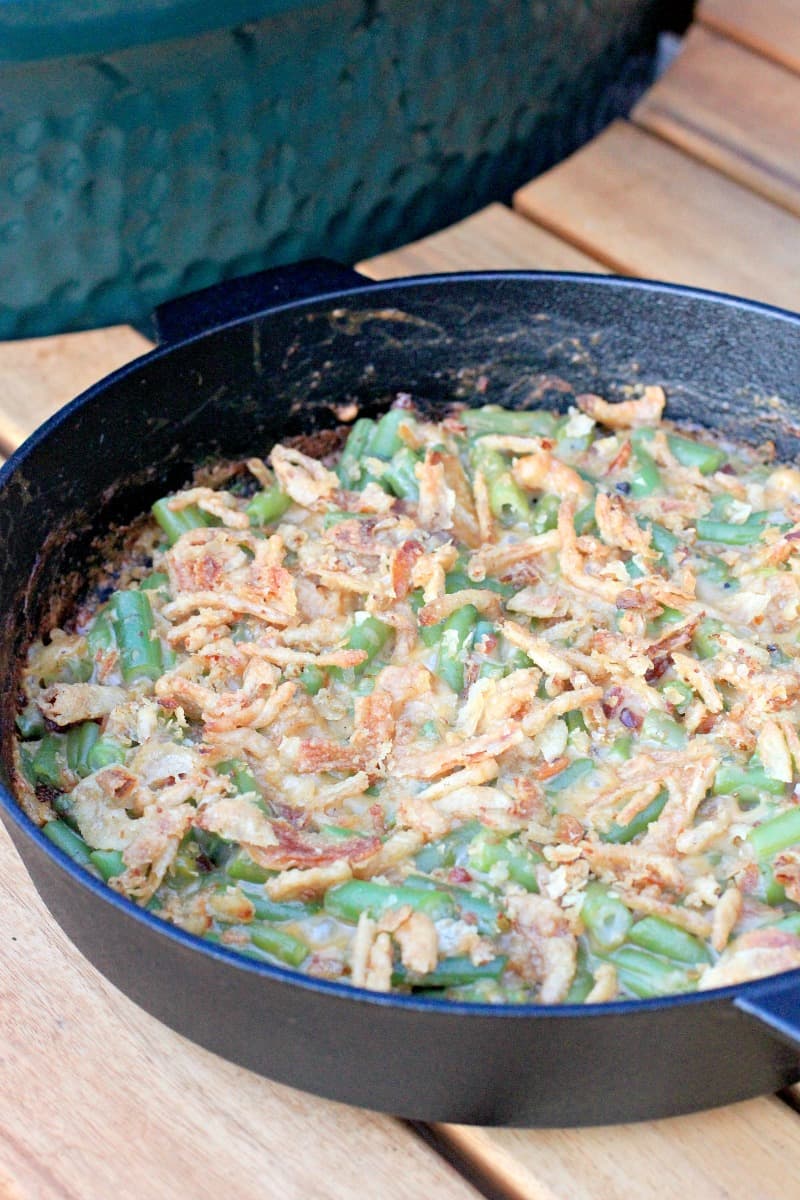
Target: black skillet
[239,367]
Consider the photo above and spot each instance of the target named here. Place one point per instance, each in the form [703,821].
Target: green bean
[279,943]
[446,851]
[80,740]
[456,637]
[370,635]
[621,748]
[545,513]
[400,476]
[520,423]
[241,866]
[179,521]
[386,440]
[705,639]
[660,728]
[746,783]
[676,693]
[457,971]
[268,506]
[349,899]
[104,753]
[458,580]
[485,913]
[621,834]
[646,477]
[156,581]
[486,850]
[664,541]
[790,923]
[667,616]
[108,862]
[776,834]
[350,461]
[668,940]
[571,775]
[507,500]
[645,975]
[311,679]
[769,890]
[47,761]
[100,635]
[706,459]
[744,534]
[134,629]
[584,521]
[30,722]
[581,986]
[606,918]
[279,910]
[66,839]
[575,721]
[243,779]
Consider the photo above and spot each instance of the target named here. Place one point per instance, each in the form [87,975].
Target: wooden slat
[41,374]
[745,1151]
[101,1100]
[770,27]
[493,239]
[647,209]
[734,110]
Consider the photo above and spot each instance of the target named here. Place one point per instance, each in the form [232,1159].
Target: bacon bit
[612,699]
[459,875]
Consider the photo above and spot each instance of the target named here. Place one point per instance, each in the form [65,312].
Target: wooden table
[97,1099]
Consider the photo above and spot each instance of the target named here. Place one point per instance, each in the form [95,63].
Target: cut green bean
[242,867]
[134,630]
[705,639]
[73,845]
[776,834]
[80,740]
[400,476]
[348,900]
[571,775]
[370,635]
[676,693]
[179,521]
[621,834]
[311,679]
[108,862]
[606,917]
[243,778]
[447,850]
[156,581]
[478,909]
[48,762]
[730,534]
[30,722]
[457,971]
[545,513]
[386,441]
[520,423]
[663,730]
[747,783]
[646,976]
[268,506]
[646,477]
[668,940]
[486,850]
[349,466]
[456,637]
[104,753]
[706,459]
[100,635]
[507,500]
[279,943]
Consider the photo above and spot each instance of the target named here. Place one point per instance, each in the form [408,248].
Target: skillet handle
[197,313]
[776,1007]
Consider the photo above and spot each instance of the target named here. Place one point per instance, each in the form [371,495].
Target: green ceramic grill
[152,147]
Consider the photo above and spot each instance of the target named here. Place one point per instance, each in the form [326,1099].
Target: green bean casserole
[499,708]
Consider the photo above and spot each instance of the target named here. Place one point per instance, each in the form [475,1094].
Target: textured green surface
[342,129]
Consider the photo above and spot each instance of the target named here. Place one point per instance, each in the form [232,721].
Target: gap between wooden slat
[733,110]
[770,27]
[647,209]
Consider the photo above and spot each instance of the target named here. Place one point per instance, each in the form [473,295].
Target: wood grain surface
[771,27]
[734,110]
[493,239]
[646,209]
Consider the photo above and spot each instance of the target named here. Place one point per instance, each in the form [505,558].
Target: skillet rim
[760,987]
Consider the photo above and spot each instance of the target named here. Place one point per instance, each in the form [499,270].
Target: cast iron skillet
[242,365]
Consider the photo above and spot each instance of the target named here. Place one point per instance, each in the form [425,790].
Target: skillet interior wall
[482,340]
